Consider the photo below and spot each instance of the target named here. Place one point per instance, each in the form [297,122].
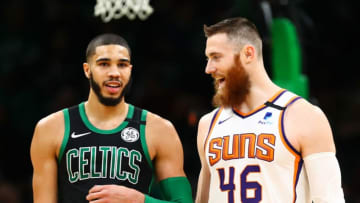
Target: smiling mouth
[220,81]
[113,84]
[113,87]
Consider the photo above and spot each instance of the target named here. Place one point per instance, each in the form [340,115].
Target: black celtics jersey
[90,156]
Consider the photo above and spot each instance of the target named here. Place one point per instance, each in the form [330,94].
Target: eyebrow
[212,54]
[107,59]
[125,60]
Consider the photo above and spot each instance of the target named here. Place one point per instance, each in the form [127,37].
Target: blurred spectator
[9,193]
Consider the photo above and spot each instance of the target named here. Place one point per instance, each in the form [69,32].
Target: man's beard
[237,86]
[108,101]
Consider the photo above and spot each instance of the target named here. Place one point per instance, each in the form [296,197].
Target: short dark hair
[239,30]
[105,39]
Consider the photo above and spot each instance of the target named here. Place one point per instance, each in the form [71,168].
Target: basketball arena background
[43,43]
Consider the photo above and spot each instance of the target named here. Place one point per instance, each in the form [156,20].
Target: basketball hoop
[115,9]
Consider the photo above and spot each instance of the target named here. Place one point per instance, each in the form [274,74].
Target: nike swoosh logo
[73,135]
[220,122]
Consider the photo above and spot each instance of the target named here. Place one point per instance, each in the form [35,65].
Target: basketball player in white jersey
[263,143]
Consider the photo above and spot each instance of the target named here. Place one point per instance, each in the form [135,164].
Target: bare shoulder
[161,135]
[308,125]
[158,125]
[303,113]
[49,131]
[51,120]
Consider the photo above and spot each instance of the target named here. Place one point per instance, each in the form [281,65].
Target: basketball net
[115,9]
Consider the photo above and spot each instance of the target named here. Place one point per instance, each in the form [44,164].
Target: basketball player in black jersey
[104,149]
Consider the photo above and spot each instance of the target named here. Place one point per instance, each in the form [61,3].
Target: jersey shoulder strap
[138,115]
[284,100]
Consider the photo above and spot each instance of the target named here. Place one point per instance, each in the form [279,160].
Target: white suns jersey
[250,158]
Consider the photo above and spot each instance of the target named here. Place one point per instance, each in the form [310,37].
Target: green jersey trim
[143,139]
[66,133]
[100,131]
[145,147]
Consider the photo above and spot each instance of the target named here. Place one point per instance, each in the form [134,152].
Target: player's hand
[114,194]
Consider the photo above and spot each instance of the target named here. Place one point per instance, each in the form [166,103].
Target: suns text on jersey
[241,146]
[103,162]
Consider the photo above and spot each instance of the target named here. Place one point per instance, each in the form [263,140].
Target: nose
[114,71]
[210,68]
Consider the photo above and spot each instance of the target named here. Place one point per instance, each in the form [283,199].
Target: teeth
[110,85]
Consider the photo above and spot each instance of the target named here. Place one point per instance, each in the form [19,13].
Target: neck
[261,89]
[97,111]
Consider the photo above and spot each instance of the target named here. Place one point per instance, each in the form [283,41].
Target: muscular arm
[164,147]
[202,193]
[43,156]
[310,133]
[308,129]
[166,151]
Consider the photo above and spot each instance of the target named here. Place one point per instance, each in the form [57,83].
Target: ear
[248,54]
[87,70]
